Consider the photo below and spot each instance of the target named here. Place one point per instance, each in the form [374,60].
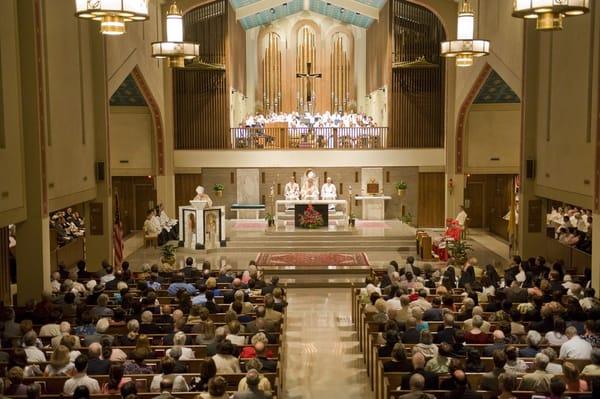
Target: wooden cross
[309,76]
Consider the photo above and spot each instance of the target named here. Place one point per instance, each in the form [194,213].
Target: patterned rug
[312,259]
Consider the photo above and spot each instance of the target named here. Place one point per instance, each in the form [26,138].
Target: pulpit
[202,227]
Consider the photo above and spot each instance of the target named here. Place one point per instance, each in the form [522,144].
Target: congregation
[213,334]
[469,331]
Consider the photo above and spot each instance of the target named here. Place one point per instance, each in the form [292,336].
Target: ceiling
[496,91]
[253,13]
[128,94]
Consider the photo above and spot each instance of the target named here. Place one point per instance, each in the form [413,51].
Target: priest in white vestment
[328,192]
[202,196]
[310,191]
[292,190]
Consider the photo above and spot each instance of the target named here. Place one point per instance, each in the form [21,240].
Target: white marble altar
[373,206]
[202,228]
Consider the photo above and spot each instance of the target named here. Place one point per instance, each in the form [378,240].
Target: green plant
[407,218]
[269,217]
[168,254]
[218,187]
[352,216]
[460,250]
[401,185]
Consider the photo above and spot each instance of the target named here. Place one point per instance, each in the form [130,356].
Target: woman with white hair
[133,332]
[179,340]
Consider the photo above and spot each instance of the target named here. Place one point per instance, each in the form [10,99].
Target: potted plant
[168,254]
[407,219]
[270,219]
[460,250]
[218,189]
[352,220]
[401,187]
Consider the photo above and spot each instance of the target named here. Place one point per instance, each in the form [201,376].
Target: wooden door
[145,198]
[474,203]
[432,197]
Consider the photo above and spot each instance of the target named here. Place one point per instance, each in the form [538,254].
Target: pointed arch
[464,111]
[159,143]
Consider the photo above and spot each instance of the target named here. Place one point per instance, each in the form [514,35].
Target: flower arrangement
[311,219]
[218,189]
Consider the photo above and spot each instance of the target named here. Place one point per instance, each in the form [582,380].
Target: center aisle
[323,358]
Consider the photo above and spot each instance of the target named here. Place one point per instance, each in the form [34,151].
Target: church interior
[291,199]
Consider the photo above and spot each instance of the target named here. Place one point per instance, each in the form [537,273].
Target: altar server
[328,192]
[461,218]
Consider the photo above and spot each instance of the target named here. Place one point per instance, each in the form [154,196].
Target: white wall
[12,185]
[192,161]
[567,106]
[131,141]
[493,131]
[70,150]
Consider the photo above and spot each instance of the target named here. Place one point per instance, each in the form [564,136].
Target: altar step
[295,242]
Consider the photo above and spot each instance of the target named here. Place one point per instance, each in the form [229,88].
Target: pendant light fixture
[174,48]
[465,48]
[112,14]
[549,14]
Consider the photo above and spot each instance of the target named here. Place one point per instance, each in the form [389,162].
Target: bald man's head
[417,382]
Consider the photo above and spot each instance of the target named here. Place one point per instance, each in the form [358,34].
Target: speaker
[530,169]
[100,171]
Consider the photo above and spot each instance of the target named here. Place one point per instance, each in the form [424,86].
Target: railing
[309,138]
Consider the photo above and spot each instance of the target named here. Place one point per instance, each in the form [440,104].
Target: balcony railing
[309,138]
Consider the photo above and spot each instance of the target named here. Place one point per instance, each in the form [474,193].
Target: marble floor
[322,355]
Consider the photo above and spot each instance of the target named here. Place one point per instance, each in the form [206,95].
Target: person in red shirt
[476,336]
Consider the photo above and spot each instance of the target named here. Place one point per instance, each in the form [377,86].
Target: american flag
[117,236]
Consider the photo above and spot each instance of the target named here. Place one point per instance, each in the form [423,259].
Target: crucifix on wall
[309,76]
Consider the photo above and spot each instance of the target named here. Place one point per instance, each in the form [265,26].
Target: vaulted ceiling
[252,13]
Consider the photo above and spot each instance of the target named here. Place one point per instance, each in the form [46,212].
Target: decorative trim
[156,118]
[464,110]
[597,171]
[41,100]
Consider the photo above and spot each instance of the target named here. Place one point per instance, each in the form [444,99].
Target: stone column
[99,245]
[531,242]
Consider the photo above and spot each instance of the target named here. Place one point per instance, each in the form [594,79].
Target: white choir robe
[328,192]
[292,191]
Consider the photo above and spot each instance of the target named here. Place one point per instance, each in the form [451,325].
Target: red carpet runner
[312,259]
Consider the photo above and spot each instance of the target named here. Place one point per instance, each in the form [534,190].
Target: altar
[373,206]
[202,227]
[287,209]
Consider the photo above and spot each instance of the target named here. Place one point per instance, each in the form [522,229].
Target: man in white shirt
[55,282]
[575,347]
[394,303]
[109,276]
[461,218]
[34,355]
[81,378]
